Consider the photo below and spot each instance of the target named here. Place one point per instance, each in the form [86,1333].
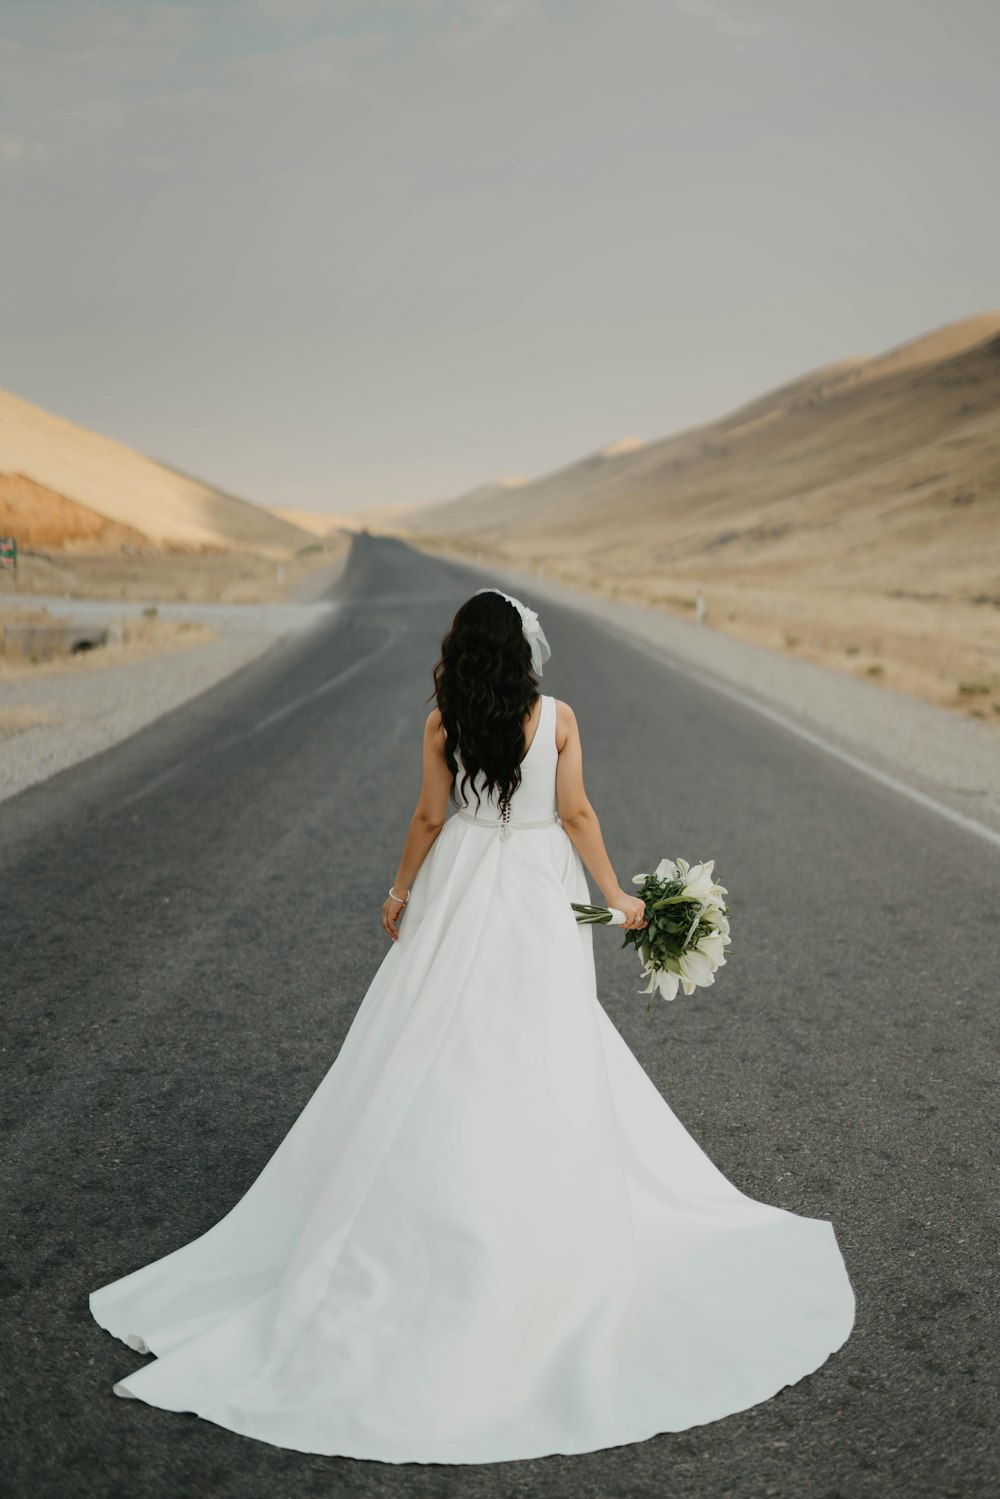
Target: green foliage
[676,922]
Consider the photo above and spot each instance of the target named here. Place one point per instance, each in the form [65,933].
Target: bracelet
[394,896]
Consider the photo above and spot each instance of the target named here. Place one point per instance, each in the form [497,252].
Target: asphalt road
[189,921]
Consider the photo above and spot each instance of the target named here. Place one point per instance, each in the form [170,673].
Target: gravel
[93,709]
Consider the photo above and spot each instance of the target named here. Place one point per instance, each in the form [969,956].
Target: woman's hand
[392,911]
[634,908]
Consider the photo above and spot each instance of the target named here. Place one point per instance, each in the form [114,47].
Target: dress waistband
[512,822]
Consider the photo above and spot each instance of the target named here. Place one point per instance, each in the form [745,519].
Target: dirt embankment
[131,640]
[39,517]
[67,548]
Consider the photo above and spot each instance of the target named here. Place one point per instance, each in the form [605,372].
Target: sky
[352,253]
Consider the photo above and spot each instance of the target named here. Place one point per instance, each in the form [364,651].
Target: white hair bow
[530,629]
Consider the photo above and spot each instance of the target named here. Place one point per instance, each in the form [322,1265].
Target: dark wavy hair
[485,687]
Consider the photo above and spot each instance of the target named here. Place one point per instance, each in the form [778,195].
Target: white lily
[712,945]
[697,968]
[720,923]
[661,980]
[668,983]
[698,883]
[687,967]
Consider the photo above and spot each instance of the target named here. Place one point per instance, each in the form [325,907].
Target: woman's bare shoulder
[565,722]
[435,738]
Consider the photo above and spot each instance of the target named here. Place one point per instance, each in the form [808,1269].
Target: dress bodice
[535,798]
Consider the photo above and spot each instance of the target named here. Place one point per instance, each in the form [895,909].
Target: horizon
[250,242]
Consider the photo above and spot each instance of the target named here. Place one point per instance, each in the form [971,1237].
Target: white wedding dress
[486,1236]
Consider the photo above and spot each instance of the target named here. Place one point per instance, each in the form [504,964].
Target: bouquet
[688,929]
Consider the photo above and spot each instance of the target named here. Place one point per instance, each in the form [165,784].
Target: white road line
[883,777]
[322,689]
[271,718]
[165,775]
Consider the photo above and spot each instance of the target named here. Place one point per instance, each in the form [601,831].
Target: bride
[486,1236]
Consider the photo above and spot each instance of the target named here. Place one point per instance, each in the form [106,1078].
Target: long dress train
[486,1236]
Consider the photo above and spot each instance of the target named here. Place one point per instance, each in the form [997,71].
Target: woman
[486,1236]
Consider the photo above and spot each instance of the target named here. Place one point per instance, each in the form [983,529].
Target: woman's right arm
[425,824]
[580,820]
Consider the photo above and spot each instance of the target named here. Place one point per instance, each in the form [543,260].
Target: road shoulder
[62,718]
[942,761]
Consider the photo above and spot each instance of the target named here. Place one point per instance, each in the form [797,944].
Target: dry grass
[162,576]
[945,650]
[139,638]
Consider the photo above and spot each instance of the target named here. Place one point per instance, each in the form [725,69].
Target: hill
[814,517]
[882,444]
[39,517]
[315,523]
[110,480]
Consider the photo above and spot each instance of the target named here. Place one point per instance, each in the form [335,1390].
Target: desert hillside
[859,460]
[383,520]
[38,517]
[315,523]
[71,466]
[852,515]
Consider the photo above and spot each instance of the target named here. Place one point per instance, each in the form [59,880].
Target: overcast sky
[339,253]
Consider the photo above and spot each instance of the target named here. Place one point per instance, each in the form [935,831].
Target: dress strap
[551,705]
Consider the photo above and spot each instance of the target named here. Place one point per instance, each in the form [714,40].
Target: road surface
[189,921]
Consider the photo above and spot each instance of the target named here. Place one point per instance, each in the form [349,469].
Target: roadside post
[8,556]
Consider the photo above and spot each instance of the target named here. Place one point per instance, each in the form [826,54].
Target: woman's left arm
[426,822]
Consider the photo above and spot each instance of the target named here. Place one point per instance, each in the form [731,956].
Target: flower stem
[591,915]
